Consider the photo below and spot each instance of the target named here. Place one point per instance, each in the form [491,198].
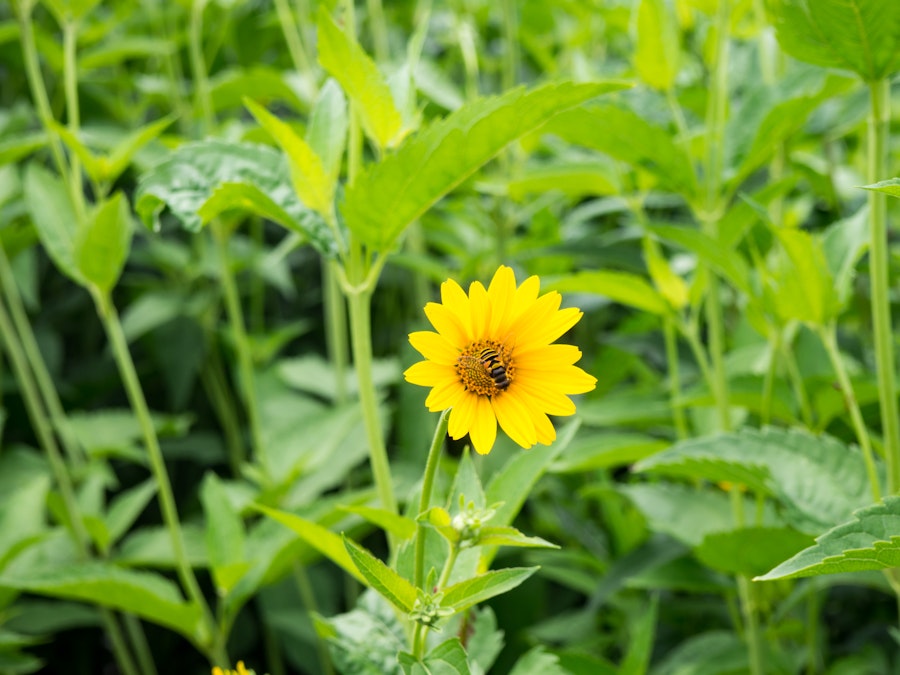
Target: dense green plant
[269,194]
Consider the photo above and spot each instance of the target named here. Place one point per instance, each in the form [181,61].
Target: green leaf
[225,535]
[657,51]
[750,551]
[844,243]
[724,260]
[102,244]
[858,35]
[307,172]
[626,136]
[127,148]
[400,526]
[818,480]
[574,179]
[20,146]
[470,592]
[604,450]
[25,484]
[320,538]
[642,629]
[805,289]
[448,658]
[190,177]
[360,78]
[869,541]
[395,192]
[505,535]
[622,287]
[671,286]
[145,594]
[538,660]
[327,130]
[126,507]
[889,187]
[53,216]
[394,588]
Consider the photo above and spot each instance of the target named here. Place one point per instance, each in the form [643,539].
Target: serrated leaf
[307,172]
[622,287]
[145,594]
[626,136]
[750,550]
[395,192]
[478,589]
[53,217]
[191,176]
[360,78]
[225,534]
[322,539]
[818,480]
[394,588]
[868,541]
[448,658]
[398,525]
[102,244]
[858,35]
[657,51]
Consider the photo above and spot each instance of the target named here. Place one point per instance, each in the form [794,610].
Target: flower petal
[538,314]
[462,415]
[481,310]
[434,347]
[429,374]
[448,324]
[546,357]
[483,432]
[555,327]
[544,398]
[454,298]
[546,434]
[515,419]
[501,293]
[445,395]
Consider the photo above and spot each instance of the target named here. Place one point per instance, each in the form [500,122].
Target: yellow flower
[491,360]
[241,670]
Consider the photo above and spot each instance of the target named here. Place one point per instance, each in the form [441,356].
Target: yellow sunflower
[491,360]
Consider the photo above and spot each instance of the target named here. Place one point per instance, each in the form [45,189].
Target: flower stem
[431,465]
[674,378]
[335,329]
[43,430]
[113,327]
[878,127]
[242,348]
[827,335]
[198,64]
[70,84]
[359,301]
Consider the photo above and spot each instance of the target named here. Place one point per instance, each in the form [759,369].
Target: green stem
[293,38]
[335,329]
[420,636]
[44,433]
[242,347]
[829,340]
[308,597]
[878,153]
[36,361]
[378,26]
[813,617]
[110,319]
[361,337]
[674,378]
[70,81]
[765,414]
[511,46]
[198,65]
[216,386]
[141,647]
[431,465]
[790,363]
[747,596]
[38,88]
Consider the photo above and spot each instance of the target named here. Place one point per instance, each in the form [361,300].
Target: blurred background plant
[285,158]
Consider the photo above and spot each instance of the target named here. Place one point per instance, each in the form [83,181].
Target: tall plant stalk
[877,169]
[215,645]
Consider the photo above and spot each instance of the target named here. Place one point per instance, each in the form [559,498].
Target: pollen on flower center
[485,368]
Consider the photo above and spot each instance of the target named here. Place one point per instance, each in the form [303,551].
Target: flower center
[485,368]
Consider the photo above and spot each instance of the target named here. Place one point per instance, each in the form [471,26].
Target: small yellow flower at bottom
[241,670]
[492,360]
